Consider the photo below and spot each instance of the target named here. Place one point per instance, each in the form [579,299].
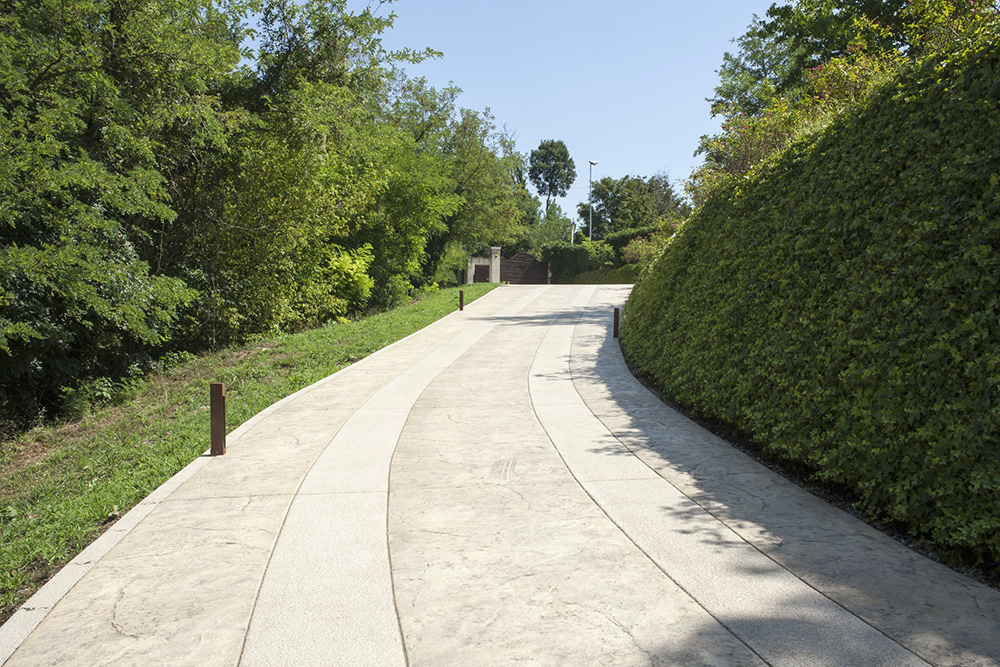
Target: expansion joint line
[388,491]
[288,510]
[599,506]
[717,517]
[281,528]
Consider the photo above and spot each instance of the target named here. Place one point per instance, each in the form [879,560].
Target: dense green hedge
[568,260]
[841,304]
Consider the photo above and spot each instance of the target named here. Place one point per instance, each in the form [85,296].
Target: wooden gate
[523,269]
[481,274]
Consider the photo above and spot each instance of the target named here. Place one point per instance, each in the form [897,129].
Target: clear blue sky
[623,83]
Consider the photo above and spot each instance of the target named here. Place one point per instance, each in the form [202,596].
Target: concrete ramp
[496,490]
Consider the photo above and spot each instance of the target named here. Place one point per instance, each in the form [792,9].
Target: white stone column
[495,264]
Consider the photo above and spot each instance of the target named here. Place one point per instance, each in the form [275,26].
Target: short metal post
[616,323]
[461,299]
[218,412]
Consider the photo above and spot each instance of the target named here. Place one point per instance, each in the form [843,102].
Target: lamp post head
[593,162]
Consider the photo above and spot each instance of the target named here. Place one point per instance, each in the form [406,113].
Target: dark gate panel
[481,273]
[523,269]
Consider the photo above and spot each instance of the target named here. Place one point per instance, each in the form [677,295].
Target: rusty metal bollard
[461,299]
[616,323]
[217,393]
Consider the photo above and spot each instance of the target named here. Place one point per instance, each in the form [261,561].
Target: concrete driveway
[494,490]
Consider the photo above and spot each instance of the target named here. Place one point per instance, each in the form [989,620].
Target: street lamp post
[590,198]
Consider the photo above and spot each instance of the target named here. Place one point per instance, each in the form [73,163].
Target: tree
[553,228]
[800,67]
[317,41]
[630,202]
[162,187]
[485,175]
[667,204]
[484,164]
[264,225]
[776,54]
[551,170]
[98,103]
[749,77]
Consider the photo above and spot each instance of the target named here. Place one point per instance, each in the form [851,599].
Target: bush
[566,260]
[840,304]
[73,312]
[599,254]
[643,251]
[619,240]
[391,293]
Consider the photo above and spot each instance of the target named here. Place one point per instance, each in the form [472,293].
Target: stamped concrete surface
[496,489]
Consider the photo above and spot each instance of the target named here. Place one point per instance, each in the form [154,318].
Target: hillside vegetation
[839,302]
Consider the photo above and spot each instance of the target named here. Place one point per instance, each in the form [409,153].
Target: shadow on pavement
[932,610]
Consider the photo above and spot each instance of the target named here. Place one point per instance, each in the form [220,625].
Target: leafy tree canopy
[808,61]
[551,170]
[160,188]
[630,202]
[554,227]
[776,53]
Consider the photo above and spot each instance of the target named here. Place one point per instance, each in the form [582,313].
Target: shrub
[567,260]
[643,251]
[599,254]
[841,304]
[619,240]
[564,259]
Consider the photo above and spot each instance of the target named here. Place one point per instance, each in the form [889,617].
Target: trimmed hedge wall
[841,305]
[568,260]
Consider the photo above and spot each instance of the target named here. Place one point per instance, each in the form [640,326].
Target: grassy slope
[62,486]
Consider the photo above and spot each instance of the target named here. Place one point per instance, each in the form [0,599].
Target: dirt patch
[37,445]
[25,455]
[238,355]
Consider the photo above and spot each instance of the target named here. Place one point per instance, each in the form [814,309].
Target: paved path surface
[495,490]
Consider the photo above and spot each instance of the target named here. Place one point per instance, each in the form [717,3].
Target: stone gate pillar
[495,264]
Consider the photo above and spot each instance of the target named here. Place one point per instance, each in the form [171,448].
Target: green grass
[61,486]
